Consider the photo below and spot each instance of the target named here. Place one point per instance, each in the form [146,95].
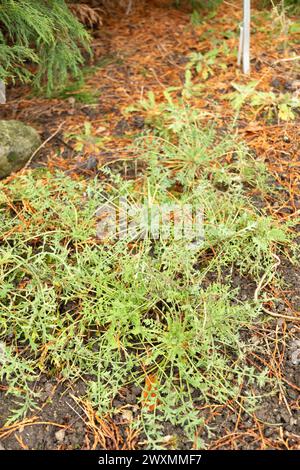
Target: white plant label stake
[2,93]
[244,47]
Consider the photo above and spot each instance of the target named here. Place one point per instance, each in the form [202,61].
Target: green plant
[45,33]
[205,64]
[120,311]
[281,105]
[87,141]
[151,107]
[166,115]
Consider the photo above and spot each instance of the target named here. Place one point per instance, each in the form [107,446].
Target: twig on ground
[42,146]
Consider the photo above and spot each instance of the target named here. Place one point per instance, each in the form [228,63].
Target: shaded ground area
[148,51]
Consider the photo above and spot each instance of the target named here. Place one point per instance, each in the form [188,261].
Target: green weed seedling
[281,105]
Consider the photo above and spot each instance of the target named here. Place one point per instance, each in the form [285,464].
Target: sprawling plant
[41,32]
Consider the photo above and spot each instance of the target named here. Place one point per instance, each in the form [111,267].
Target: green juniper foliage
[43,32]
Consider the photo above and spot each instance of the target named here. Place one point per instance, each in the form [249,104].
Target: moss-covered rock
[17,143]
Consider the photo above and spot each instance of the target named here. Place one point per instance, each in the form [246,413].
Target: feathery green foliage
[111,311]
[44,32]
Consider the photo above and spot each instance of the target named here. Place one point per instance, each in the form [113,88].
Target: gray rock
[17,144]
[2,447]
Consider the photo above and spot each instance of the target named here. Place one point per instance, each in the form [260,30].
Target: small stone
[60,435]
[127,415]
[2,447]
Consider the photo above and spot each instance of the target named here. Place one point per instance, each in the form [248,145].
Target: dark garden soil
[147,50]
[64,421]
